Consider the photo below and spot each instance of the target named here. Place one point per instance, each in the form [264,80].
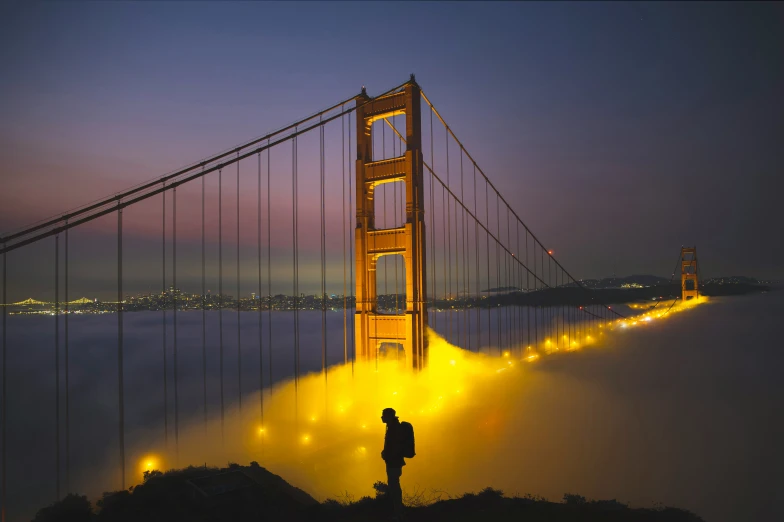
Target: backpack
[407,431]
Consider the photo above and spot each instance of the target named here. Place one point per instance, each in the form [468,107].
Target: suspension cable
[449,130]
[478,282]
[57,362]
[3,496]
[295,267]
[323,263]
[351,252]
[120,345]
[269,266]
[140,195]
[203,309]
[165,304]
[67,402]
[448,238]
[239,326]
[220,303]
[432,221]
[174,325]
[258,299]
[346,229]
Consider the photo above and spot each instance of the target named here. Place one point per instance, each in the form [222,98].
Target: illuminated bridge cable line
[147,190]
[174,324]
[120,345]
[163,295]
[141,188]
[57,363]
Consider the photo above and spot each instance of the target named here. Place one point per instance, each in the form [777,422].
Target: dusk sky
[618,132]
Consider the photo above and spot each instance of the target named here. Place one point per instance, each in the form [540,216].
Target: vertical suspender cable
[509,330]
[444,220]
[478,287]
[57,363]
[323,264]
[120,344]
[163,295]
[498,261]
[203,310]
[383,156]
[466,264]
[220,297]
[458,258]
[544,312]
[466,261]
[3,497]
[258,296]
[174,324]
[67,402]
[239,351]
[351,251]
[527,297]
[295,254]
[487,247]
[395,221]
[518,286]
[448,239]
[432,220]
[345,229]
[269,268]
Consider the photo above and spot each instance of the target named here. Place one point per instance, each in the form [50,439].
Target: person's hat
[388,413]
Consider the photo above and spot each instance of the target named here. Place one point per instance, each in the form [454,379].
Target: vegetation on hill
[245,493]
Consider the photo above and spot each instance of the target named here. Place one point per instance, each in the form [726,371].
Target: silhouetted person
[395,442]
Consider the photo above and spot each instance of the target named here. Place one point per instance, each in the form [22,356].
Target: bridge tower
[689,281]
[372,328]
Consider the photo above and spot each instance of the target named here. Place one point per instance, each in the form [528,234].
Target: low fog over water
[683,412]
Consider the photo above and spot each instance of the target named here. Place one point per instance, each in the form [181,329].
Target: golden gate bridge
[435,245]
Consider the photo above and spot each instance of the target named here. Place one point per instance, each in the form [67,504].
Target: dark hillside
[240,493]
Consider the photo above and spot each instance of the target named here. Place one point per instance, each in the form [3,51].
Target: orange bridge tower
[373,329]
[689,281]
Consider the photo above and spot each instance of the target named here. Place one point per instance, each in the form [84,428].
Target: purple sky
[617,131]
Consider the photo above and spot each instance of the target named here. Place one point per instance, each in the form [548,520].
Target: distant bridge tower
[408,329]
[689,281]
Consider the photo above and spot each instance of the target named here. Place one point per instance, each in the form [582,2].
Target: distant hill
[245,493]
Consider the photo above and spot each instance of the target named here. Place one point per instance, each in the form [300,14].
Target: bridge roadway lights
[689,281]
[372,328]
